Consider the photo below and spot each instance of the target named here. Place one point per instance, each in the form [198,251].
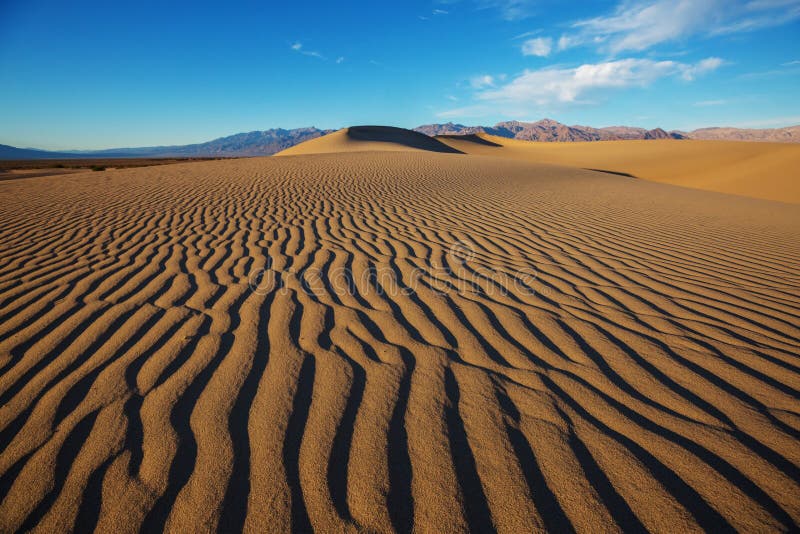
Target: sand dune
[395,340]
[369,138]
[759,170]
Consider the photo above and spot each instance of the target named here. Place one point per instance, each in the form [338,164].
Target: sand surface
[759,170]
[394,340]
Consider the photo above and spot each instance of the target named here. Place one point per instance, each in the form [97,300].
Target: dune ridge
[395,340]
[369,138]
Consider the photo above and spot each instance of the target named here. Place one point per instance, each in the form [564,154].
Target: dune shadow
[546,502]
[472,138]
[476,506]
[400,497]
[64,460]
[343,441]
[234,506]
[618,173]
[401,136]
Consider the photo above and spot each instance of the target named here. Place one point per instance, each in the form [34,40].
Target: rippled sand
[388,341]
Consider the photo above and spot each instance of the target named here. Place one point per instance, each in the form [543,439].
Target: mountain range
[267,142]
[550,130]
[257,143]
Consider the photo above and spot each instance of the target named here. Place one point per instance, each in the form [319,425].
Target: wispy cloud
[298,47]
[526,34]
[636,25]
[690,72]
[555,85]
[434,13]
[340,59]
[539,46]
[511,9]
[482,81]
[640,25]
[787,69]
[757,14]
[565,41]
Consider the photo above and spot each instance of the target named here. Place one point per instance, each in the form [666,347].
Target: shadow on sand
[401,136]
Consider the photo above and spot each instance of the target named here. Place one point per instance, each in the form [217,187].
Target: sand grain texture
[437,342]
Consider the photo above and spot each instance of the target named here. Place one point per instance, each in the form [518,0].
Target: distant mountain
[12,152]
[267,142]
[549,130]
[789,134]
[258,143]
[449,128]
[625,132]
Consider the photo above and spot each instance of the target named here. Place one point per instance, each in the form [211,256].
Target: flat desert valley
[380,331]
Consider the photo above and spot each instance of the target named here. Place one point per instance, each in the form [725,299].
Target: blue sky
[91,74]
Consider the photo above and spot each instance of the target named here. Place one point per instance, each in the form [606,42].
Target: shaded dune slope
[759,170]
[369,138]
[467,140]
[381,341]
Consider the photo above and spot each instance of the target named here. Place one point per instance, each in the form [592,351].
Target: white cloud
[440,12]
[758,14]
[298,47]
[480,82]
[565,42]
[509,9]
[689,72]
[339,59]
[540,46]
[554,85]
[641,24]
[526,34]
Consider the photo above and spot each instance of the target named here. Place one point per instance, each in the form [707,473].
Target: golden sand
[381,341]
[759,170]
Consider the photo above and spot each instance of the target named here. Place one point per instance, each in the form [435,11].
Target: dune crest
[369,138]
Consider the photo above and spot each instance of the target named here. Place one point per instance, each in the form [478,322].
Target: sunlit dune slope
[395,342]
[369,138]
[759,170]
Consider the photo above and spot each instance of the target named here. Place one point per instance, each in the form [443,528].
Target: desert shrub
[98,168]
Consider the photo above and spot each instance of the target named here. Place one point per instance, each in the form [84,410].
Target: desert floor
[387,340]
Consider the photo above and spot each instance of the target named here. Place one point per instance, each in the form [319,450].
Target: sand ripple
[387,341]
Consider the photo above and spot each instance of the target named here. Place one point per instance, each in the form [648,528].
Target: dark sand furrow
[436,342]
